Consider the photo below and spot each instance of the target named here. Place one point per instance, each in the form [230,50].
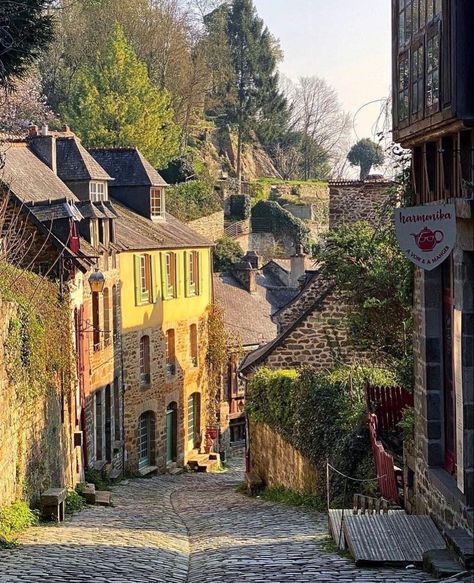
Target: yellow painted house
[165,293]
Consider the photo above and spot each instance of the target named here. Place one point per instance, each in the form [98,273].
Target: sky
[346,42]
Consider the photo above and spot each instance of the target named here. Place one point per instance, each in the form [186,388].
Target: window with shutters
[193,343]
[145,360]
[145,279]
[192,273]
[170,352]
[170,276]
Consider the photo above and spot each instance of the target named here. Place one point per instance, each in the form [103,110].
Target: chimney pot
[45,130]
[33,131]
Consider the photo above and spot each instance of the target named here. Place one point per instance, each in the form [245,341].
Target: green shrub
[74,502]
[95,477]
[269,216]
[407,424]
[192,200]
[226,253]
[14,519]
[323,416]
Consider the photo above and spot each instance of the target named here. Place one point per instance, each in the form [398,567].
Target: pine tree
[115,104]
[26,29]
[256,80]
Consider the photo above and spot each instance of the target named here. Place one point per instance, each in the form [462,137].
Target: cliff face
[219,152]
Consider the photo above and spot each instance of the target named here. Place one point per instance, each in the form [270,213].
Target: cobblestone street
[188,528]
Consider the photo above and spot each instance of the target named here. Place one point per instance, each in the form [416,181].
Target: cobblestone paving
[186,529]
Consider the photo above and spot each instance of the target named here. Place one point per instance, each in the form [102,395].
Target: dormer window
[157,203]
[98,191]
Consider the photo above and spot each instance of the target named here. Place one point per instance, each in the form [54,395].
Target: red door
[449,389]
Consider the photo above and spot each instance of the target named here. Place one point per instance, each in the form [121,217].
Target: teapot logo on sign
[426,234]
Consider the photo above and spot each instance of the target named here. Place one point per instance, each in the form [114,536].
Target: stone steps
[462,544]
[442,563]
[96,497]
[203,462]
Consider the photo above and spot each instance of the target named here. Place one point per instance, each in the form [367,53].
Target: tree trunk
[365,171]
[239,158]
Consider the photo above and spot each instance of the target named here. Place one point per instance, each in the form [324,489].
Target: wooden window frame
[98,191]
[145,360]
[171,351]
[146,278]
[157,203]
[433,107]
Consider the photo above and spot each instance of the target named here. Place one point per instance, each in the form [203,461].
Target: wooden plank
[396,538]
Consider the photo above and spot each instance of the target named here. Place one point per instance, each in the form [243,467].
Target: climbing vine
[217,356]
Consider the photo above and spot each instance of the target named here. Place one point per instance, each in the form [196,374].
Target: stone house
[433,116]
[165,292]
[311,331]
[248,297]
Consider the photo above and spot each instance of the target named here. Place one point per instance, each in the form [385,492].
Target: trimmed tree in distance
[114,104]
[366,154]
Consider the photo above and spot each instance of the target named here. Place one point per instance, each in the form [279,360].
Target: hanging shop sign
[426,234]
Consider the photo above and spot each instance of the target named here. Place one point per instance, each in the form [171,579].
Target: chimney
[43,145]
[253,259]
[298,268]
[246,275]
[32,131]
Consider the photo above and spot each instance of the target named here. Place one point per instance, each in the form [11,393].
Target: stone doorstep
[147,470]
[102,498]
[442,563]
[89,493]
[203,462]
[462,544]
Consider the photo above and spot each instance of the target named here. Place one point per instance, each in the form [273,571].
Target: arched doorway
[171,432]
[146,429]
[194,420]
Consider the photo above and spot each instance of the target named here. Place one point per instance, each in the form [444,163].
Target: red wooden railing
[388,404]
[384,464]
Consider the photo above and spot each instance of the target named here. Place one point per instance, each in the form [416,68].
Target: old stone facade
[351,201]
[165,387]
[443,472]
[278,463]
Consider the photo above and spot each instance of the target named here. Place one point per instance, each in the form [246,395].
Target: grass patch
[292,498]
[328,545]
[14,519]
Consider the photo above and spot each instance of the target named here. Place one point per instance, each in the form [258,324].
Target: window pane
[401,26]
[432,72]
[408,22]
[429,10]
[422,13]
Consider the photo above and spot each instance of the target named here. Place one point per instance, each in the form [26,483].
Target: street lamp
[97,281]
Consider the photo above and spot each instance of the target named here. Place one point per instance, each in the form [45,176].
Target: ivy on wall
[269,216]
[322,415]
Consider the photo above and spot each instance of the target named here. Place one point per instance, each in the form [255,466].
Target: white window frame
[98,191]
[157,213]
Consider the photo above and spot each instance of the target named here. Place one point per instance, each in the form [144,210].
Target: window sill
[447,485]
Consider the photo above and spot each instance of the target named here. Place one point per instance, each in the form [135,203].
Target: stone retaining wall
[211,227]
[350,202]
[278,463]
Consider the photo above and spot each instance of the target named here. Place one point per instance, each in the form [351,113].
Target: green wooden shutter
[177,264]
[155,284]
[187,283]
[164,278]
[200,279]
[138,281]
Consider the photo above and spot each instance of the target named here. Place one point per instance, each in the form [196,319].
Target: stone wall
[320,340]
[448,498]
[278,463]
[306,191]
[352,201]
[36,439]
[211,227]
[164,388]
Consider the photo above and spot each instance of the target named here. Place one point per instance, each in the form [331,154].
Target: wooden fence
[384,463]
[388,404]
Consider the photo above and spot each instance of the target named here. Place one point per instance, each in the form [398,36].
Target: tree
[24,106]
[115,104]
[366,154]
[255,94]
[226,253]
[26,29]
[317,115]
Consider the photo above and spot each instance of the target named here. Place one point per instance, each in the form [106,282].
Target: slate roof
[127,166]
[134,232]
[75,163]
[246,316]
[29,179]
[285,264]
